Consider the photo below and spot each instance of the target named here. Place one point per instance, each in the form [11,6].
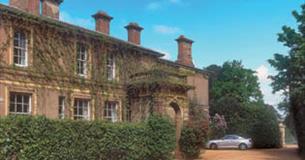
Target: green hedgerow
[28,138]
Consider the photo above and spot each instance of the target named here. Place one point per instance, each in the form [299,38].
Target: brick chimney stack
[31,6]
[50,8]
[185,51]
[102,22]
[134,33]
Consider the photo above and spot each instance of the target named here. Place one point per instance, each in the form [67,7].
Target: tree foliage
[233,80]
[237,116]
[291,72]
[235,94]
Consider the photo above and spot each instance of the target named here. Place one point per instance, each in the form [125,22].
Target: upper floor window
[20,103]
[81,109]
[20,49]
[61,107]
[82,60]
[110,67]
[110,111]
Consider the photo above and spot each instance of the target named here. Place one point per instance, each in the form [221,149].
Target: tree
[291,73]
[235,94]
[233,80]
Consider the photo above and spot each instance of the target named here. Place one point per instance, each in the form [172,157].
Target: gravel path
[287,153]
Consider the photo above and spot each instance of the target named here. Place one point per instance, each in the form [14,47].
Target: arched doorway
[176,116]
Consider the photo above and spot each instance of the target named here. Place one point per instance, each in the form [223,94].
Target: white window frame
[111,67]
[20,48]
[79,106]
[22,103]
[61,107]
[110,111]
[82,60]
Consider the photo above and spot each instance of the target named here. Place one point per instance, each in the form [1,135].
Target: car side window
[228,137]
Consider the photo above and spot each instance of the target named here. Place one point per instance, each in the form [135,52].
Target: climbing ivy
[52,60]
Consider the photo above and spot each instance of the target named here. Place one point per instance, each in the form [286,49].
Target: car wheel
[243,146]
[213,146]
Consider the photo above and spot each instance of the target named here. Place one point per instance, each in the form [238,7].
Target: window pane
[26,99]
[12,107]
[19,108]
[19,98]
[25,108]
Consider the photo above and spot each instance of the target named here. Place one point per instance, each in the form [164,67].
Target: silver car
[230,141]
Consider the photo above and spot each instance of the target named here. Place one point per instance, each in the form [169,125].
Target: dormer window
[20,49]
[82,60]
[110,67]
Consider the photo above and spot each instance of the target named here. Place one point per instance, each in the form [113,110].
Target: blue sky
[222,29]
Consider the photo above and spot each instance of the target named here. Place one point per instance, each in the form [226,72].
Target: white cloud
[262,72]
[83,22]
[166,56]
[163,29]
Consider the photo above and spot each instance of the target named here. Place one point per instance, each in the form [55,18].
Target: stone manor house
[52,68]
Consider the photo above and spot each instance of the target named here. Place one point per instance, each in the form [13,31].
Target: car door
[235,141]
[227,142]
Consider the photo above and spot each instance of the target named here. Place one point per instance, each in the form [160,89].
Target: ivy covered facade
[52,68]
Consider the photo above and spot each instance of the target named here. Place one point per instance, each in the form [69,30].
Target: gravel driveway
[287,153]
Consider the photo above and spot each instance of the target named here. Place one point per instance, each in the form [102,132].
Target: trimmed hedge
[28,138]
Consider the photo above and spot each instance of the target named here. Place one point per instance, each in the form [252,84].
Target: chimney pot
[31,6]
[134,33]
[185,51]
[50,8]
[102,22]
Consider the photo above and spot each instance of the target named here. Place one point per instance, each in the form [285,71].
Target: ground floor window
[81,109]
[61,107]
[20,103]
[110,111]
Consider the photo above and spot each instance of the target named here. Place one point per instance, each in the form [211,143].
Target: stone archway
[176,114]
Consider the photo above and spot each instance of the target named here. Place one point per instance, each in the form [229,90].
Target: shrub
[190,142]
[162,138]
[194,134]
[30,138]
[265,129]
[218,126]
